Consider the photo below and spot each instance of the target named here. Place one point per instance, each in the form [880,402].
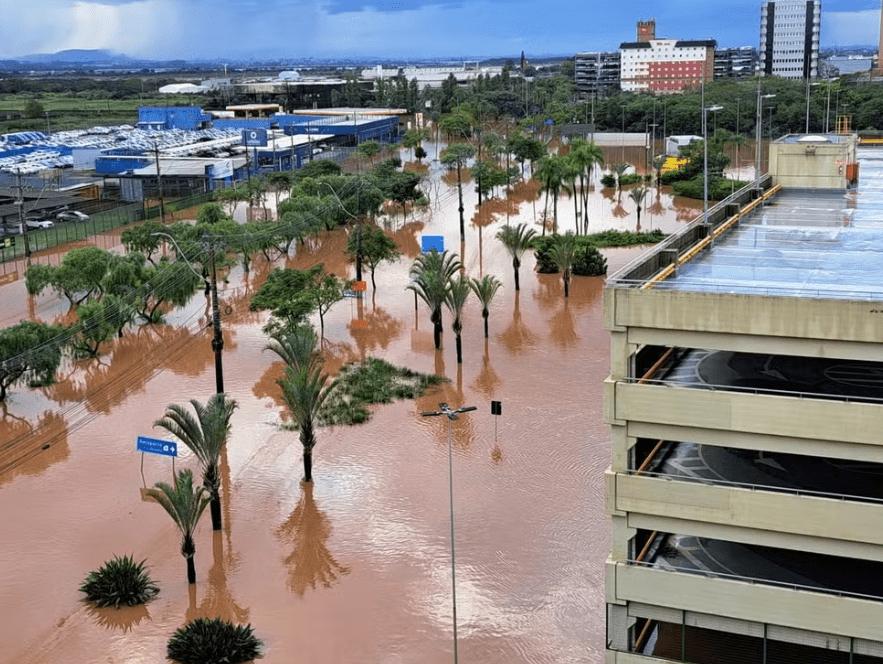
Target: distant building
[735,62]
[789,38]
[596,73]
[431,77]
[664,65]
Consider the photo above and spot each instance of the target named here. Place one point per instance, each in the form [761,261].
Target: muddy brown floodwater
[355,568]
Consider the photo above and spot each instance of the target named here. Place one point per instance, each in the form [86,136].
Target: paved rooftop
[804,243]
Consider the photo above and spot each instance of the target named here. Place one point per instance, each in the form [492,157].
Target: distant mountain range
[78,56]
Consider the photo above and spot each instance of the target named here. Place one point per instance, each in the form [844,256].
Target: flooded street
[355,568]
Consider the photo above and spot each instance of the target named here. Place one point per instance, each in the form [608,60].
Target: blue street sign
[254,138]
[157,446]
[430,242]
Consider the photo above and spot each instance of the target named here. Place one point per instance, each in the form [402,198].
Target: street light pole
[162,207]
[445,409]
[705,110]
[759,128]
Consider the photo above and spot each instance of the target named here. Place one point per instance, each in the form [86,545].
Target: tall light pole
[705,110]
[218,338]
[828,103]
[445,409]
[759,129]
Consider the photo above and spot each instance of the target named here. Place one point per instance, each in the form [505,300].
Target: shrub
[208,641]
[630,178]
[608,180]
[589,263]
[121,581]
[718,188]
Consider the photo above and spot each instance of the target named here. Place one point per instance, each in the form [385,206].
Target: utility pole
[20,204]
[217,339]
[162,205]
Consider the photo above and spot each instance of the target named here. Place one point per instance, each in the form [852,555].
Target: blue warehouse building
[161,118]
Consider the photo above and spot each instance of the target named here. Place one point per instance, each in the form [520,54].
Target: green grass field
[82,110]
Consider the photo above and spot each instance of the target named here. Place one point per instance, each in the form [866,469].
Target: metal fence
[103,216]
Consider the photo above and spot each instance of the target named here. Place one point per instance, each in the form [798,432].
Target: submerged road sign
[157,446]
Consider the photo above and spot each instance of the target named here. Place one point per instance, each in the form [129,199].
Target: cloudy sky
[397,29]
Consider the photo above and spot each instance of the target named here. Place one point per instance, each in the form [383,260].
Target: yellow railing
[704,242]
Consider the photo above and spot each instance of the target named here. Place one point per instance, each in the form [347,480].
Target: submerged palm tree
[185,503]
[563,251]
[205,435]
[295,346]
[552,171]
[637,195]
[304,389]
[431,275]
[458,293]
[485,289]
[516,240]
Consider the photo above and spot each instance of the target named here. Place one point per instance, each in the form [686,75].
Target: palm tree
[485,289]
[516,240]
[637,195]
[205,435]
[294,345]
[304,390]
[455,300]
[563,251]
[552,172]
[431,275]
[185,504]
[585,155]
[619,170]
[456,156]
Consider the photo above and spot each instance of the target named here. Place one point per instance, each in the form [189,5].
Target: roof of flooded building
[800,243]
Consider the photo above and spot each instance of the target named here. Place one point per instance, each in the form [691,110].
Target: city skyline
[279,29]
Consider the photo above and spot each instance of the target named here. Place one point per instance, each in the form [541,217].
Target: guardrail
[752,580]
[686,237]
[843,497]
[754,390]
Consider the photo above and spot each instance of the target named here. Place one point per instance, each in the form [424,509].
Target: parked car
[72,215]
[39,223]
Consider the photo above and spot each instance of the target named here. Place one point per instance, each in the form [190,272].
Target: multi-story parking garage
[746,402]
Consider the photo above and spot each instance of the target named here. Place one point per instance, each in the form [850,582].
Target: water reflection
[29,449]
[517,336]
[310,562]
[124,618]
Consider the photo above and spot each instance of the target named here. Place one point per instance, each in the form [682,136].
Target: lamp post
[445,409]
[705,110]
[217,339]
[759,129]
[828,103]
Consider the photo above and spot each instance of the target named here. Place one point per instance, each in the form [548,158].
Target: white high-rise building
[789,38]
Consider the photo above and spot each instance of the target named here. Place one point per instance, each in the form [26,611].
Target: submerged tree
[304,390]
[30,351]
[456,156]
[374,245]
[455,300]
[516,240]
[485,289]
[431,275]
[205,435]
[563,252]
[185,503]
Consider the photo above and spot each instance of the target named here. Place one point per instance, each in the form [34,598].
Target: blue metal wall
[119,164]
[174,117]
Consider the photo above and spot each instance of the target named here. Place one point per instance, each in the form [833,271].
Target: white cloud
[851,28]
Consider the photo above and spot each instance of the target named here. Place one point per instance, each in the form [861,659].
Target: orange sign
[360,324]
[360,286]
